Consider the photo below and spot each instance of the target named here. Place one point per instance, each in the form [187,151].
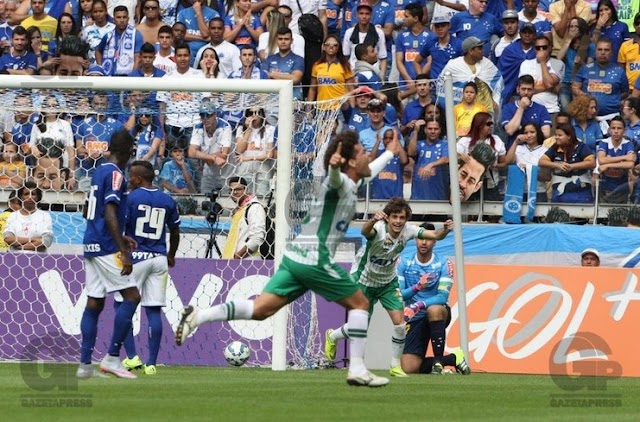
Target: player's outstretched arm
[335,165]
[436,234]
[367,230]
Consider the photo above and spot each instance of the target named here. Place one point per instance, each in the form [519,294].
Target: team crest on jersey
[116,180]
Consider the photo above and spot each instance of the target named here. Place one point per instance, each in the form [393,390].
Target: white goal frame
[284,90]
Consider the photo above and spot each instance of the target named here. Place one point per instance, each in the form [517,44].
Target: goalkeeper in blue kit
[425,282]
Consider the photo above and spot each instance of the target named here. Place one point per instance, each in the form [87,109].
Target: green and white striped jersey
[325,225]
[375,264]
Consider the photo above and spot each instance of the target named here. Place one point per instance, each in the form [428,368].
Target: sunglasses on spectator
[331,44]
[150,7]
[145,115]
[542,47]
[489,124]
[252,113]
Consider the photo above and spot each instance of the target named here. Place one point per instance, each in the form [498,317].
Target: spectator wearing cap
[629,56]
[415,109]
[365,32]
[95,70]
[212,145]
[590,257]
[476,22]
[355,111]
[409,43]
[473,66]
[547,73]
[511,58]
[177,175]
[439,49]
[530,13]
[367,74]
[510,25]
[561,12]
[383,17]
[377,125]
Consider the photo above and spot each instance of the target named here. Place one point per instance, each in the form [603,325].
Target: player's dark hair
[121,143]
[633,217]
[483,154]
[349,140]
[415,10]
[618,217]
[30,185]
[427,226]
[147,48]
[396,205]
[144,169]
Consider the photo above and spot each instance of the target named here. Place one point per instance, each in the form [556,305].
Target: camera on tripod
[212,207]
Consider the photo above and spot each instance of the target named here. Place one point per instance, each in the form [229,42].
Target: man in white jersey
[374,269]
[308,263]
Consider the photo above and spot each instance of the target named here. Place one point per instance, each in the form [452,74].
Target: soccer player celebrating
[308,262]
[107,257]
[149,213]
[374,269]
[425,283]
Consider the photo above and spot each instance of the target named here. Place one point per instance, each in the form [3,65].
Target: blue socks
[121,326]
[129,342]
[89,330]
[155,332]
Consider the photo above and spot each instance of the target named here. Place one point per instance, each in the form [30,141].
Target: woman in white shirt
[482,132]
[52,136]
[254,151]
[526,151]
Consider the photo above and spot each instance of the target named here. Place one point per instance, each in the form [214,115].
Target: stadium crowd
[546,84]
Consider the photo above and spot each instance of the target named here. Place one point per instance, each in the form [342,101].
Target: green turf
[248,394]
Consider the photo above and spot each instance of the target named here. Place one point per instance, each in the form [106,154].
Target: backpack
[267,247]
[310,27]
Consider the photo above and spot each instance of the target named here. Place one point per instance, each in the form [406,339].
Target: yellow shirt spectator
[629,58]
[47,27]
[464,115]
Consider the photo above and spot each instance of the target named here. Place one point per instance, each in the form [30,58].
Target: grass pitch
[249,394]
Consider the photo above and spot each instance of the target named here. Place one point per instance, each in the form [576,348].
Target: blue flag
[512,206]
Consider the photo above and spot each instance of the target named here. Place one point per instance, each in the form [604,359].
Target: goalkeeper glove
[411,310]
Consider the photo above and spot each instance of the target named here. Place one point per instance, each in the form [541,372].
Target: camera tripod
[212,220]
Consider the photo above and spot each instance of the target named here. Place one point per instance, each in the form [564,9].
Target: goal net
[57,131]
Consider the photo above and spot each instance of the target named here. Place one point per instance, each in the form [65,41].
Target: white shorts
[152,276]
[103,276]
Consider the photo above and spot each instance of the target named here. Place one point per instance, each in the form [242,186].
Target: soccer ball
[236,353]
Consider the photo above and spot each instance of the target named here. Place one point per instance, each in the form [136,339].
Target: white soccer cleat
[86,371]
[366,379]
[112,365]
[186,325]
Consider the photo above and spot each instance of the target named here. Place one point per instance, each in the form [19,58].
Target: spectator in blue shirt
[584,109]
[476,22]
[511,58]
[366,73]
[616,156]
[524,110]
[631,113]
[438,49]
[606,81]
[431,155]
[177,175]
[119,51]
[196,21]
[19,61]
[285,65]
[409,43]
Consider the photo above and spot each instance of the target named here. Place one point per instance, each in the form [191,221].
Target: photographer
[248,223]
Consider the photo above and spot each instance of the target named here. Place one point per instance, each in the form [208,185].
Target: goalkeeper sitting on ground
[425,283]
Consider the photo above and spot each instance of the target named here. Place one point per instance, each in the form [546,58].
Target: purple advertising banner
[42,301]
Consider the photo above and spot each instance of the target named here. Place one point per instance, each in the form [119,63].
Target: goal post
[285,113]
